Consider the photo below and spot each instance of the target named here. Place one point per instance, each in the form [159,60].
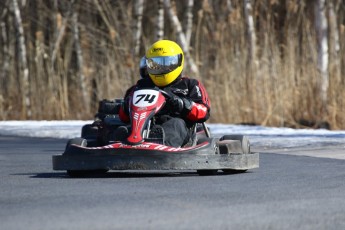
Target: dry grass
[280,88]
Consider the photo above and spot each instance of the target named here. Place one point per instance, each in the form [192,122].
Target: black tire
[207,172]
[86,173]
[109,107]
[233,171]
[76,141]
[89,132]
[82,173]
[243,139]
[245,148]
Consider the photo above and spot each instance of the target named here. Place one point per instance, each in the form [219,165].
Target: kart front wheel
[233,171]
[207,172]
[245,145]
[82,173]
[76,141]
[86,173]
[243,140]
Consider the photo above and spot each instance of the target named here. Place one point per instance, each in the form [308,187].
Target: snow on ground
[259,136]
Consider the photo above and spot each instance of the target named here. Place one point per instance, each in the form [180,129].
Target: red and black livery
[99,149]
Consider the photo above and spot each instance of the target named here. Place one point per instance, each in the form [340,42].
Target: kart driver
[188,103]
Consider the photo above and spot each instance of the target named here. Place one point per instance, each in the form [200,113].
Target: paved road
[286,192]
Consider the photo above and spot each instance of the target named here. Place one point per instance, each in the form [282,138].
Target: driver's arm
[200,109]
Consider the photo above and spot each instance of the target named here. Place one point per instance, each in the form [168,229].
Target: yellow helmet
[164,61]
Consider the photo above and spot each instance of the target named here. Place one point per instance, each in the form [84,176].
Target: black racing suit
[176,126]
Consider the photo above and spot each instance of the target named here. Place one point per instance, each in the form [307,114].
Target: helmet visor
[163,64]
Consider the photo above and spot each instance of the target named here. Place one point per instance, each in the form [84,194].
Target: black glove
[180,105]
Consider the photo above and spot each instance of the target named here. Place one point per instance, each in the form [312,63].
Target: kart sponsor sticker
[149,146]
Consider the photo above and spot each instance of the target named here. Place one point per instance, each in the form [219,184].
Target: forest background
[266,62]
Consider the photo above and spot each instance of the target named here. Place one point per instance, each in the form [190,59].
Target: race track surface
[286,192]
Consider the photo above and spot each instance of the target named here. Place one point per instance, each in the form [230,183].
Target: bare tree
[6,61]
[251,37]
[181,36]
[47,51]
[54,23]
[188,25]
[138,17]
[80,62]
[160,21]
[252,69]
[334,40]
[103,15]
[229,5]
[24,70]
[322,41]
[5,54]
[58,36]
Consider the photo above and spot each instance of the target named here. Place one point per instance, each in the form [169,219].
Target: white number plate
[145,97]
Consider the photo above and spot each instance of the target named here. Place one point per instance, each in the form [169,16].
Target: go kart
[102,147]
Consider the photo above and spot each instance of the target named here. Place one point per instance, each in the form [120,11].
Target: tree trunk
[138,17]
[322,61]
[181,37]
[5,63]
[23,66]
[5,54]
[60,33]
[160,21]
[80,64]
[251,38]
[188,25]
[251,74]
[229,5]
[58,40]
[334,42]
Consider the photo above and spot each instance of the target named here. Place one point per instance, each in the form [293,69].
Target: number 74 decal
[145,97]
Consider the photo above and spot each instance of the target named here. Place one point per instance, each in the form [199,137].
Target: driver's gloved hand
[180,105]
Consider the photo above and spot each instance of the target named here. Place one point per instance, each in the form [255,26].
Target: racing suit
[177,126]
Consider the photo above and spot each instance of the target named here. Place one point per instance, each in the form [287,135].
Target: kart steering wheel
[168,96]
[165,94]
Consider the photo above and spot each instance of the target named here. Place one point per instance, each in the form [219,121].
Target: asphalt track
[286,192]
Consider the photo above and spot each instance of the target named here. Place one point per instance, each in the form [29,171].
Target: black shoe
[156,135]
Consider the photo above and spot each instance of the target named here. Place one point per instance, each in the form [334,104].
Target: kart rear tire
[243,139]
[207,172]
[89,132]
